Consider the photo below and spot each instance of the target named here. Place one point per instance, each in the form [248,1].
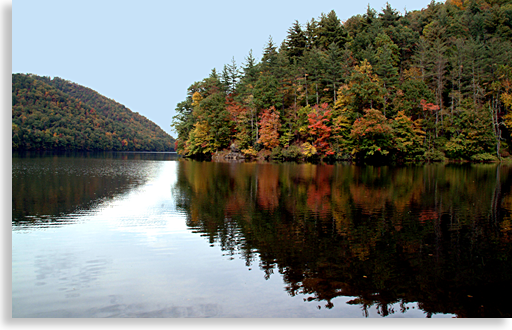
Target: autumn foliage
[373,133]
[382,87]
[269,128]
[319,119]
[56,114]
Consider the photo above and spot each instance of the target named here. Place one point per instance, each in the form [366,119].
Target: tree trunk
[493,109]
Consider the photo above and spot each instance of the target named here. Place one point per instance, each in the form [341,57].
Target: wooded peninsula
[56,114]
[381,87]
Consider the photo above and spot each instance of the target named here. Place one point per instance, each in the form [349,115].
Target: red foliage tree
[429,106]
[318,119]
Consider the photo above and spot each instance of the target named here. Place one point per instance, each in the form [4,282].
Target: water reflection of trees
[436,235]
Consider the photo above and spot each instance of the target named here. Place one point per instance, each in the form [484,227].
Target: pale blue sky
[145,54]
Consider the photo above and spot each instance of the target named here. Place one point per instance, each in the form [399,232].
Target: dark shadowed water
[151,235]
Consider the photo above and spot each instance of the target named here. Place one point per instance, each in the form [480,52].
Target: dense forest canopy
[56,114]
[382,86]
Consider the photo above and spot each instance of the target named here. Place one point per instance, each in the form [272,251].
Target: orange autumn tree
[242,126]
[269,128]
[319,118]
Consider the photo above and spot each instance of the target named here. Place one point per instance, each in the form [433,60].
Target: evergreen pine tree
[269,58]
[295,42]
[331,31]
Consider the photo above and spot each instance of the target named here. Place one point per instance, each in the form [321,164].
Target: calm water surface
[150,235]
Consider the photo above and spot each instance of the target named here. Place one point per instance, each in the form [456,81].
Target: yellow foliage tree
[199,140]
[196,98]
[308,150]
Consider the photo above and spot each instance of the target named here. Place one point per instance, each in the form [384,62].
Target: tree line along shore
[425,85]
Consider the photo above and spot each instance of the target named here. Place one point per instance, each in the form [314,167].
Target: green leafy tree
[183,123]
[364,90]
[412,89]
[408,139]
[471,137]
[315,64]
[341,139]
[386,66]
[336,67]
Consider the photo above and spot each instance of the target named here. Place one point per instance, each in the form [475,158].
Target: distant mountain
[50,114]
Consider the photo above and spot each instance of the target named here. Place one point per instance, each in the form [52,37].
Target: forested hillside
[55,113]
[379,87]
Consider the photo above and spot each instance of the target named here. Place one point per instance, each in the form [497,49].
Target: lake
[153,235]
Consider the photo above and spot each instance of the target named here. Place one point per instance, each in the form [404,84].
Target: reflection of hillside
[48,187]
[427,234]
